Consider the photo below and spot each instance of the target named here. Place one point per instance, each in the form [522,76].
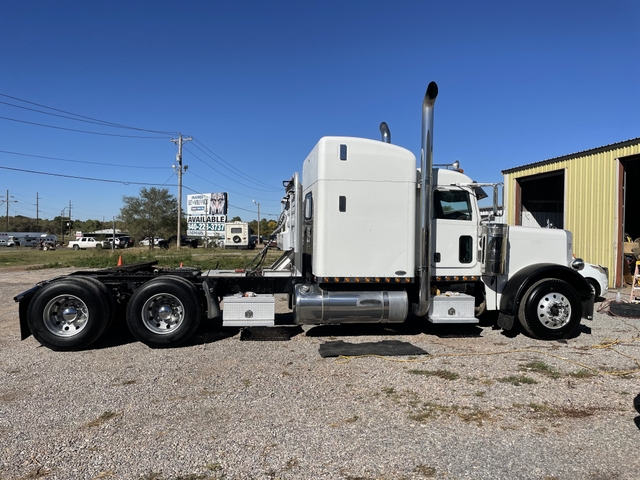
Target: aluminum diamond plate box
[452,309]
[258,311]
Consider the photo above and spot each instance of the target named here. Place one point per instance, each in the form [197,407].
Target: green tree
[151,214]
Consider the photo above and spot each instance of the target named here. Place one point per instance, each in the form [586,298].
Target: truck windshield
[452,205]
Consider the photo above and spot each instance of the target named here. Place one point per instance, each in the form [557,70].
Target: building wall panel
[591,201]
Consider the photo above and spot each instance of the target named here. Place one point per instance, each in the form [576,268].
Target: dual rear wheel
[73,312]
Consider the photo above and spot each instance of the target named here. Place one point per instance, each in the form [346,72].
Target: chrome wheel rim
[65,315]
[554,310]
[163,313]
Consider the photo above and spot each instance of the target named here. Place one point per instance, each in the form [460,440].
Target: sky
[256,84]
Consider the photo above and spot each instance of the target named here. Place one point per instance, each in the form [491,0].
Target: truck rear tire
[164,312]
[550,310]
[76,247]
[69,314]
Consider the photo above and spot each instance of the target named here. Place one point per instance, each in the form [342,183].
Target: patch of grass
[444,374]
[40,472]
[540,367]
[201,258]
[425,470]
[539,408]
[124,383]
[583,373]
[517,380]
[549,411]
[45,266]
[291,464]
[429,410]
[105,417]
[152,476]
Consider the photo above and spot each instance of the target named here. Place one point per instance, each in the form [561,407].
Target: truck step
[249,311]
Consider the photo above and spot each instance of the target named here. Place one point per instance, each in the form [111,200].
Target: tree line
[152,213]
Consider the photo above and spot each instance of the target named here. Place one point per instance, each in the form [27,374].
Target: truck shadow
[411,327]
[211,331]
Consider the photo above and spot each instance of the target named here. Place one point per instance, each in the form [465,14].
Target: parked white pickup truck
[85,242]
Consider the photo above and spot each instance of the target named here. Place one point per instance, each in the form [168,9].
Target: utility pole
[62,223]
[8,200]
[258,204]
[179,141]
[37,211]
[69,219]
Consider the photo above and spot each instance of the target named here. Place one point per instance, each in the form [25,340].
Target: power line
[80,161]
[81,118]
[228,165]
[79,131]
[84,178]
[227,176]
[226,189]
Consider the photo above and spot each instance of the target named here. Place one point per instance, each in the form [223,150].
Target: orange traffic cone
[120,261]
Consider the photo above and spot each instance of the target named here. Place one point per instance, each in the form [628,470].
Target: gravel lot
[263,404]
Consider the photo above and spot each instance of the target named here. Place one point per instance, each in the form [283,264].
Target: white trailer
[442,262]
[238,235]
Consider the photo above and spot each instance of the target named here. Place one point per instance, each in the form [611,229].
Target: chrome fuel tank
[314,306]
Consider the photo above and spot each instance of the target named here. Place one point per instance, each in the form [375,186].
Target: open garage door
[540,200]
[629,220]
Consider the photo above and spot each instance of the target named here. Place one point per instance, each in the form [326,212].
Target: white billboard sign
[206,214]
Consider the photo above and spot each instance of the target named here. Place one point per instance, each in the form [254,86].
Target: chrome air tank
[494,248]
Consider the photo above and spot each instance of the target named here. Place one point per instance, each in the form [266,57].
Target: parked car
[83,243]
[184,241]
[598,278]
[145,242]
[7,243]
[120,242]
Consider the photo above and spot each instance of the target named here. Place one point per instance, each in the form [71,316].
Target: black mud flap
[24,299]
[25,331]
[587,307]
[506,321]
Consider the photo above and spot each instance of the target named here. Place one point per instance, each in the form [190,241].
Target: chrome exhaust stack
[423,249]
[386,134]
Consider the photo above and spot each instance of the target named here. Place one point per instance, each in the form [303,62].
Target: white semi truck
[438,262]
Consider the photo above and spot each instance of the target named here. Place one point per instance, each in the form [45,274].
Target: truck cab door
[454,232]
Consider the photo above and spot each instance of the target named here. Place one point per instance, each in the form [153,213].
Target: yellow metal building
[595,194]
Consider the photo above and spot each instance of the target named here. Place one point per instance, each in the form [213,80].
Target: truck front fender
[519,283]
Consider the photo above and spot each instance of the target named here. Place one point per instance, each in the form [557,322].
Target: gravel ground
[262,403]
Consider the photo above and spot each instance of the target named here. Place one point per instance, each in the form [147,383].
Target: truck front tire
[550,310]
[69,314]
[164,312]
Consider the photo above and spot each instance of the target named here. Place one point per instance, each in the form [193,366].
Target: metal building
[595,194]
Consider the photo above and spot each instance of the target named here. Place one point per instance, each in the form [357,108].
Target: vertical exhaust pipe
[386,134]
[426,204]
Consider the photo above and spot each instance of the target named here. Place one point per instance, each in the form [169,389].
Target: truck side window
[465,249]
[308,206]
[452,205]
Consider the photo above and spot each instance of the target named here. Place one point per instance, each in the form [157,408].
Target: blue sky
[258,83]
